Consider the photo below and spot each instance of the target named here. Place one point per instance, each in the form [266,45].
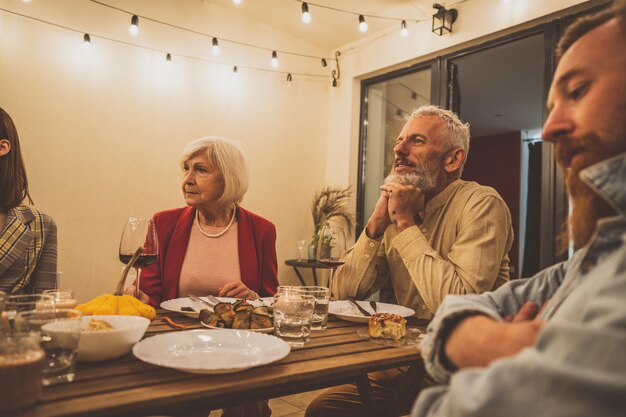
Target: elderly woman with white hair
[212,246]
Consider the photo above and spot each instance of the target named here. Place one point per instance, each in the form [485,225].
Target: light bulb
[235,73]
[289,78]
[306,16]
[362,23]
[324,63]
[134,25]
[26,1]
[404,32]
[216,48]
[237,1]
[168,59]
[86,42]
[274,59]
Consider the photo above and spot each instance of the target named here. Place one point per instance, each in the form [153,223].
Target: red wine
[142,260]
[331,262]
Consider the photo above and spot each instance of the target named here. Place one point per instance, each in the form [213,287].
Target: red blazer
[256,240]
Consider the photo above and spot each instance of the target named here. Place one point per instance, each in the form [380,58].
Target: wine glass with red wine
[330,248]
[139,233]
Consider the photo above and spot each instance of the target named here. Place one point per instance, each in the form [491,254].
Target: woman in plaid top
[28,238]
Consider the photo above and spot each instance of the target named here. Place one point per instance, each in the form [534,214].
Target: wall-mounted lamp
[443,19]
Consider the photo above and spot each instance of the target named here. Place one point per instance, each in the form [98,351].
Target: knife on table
[200,300]
[361,309]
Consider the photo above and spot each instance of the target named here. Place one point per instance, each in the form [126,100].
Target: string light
[274,59]
[134,25]
[289,78]
[362,23]
[26,1]
[168,58]
[237,1]
[404,32]
[216,48]
[86,42]
[324,63]
[157,50]
[196,32]
[306,16]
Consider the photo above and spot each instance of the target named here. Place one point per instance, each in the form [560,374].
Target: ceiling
[330,29]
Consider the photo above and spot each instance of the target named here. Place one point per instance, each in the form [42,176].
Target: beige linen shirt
[461,247]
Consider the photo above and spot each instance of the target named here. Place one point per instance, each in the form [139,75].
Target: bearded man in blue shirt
[569,359]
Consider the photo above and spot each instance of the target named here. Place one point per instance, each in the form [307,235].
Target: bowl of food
[109,337]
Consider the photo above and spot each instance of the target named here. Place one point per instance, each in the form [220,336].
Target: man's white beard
[424,177]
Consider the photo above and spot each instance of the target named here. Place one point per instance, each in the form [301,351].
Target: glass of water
[58,331]
[319,321]
[293,311]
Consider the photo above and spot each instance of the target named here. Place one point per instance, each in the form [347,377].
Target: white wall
[382,53]
[102,130]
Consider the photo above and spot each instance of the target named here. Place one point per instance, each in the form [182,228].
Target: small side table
[305,263]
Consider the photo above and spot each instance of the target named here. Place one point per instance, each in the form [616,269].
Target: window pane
[388,104]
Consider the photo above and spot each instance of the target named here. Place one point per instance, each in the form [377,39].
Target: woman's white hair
[227,156]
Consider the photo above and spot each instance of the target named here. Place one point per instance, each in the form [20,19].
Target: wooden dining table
[129,387]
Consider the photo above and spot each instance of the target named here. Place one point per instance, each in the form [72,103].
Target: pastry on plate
[387,326]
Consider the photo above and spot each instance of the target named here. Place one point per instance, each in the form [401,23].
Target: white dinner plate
[211,352]
[346,311]
[176,304]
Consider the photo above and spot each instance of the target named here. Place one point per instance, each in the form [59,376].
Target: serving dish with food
[106,337]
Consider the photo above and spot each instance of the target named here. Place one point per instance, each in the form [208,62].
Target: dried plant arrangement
[328,203]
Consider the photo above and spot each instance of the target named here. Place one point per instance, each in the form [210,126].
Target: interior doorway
[499,91]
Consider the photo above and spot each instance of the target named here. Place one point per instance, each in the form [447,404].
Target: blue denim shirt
[577,366]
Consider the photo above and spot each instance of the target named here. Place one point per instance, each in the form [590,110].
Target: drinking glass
[330,247]
[292,317]
[319,320]
[62,298]
[21,360]
[23,302]
[302,255]
[58,331]
[139,236]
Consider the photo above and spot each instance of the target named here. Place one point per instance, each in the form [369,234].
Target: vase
[310,250]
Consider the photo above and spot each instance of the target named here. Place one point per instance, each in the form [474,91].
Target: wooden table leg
[363,385]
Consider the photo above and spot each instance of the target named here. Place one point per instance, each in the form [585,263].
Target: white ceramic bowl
[99,346]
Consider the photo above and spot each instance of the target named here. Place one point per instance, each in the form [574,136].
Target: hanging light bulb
[26,1]
[404,32]
[237,1]
[168,58]
[324,62]
[289,79]
[134,25]
[216,48]
[235,73]
[274,59]
[362,23]
[86,42]
[306,16]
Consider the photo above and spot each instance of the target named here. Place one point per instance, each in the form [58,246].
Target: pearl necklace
[216,235]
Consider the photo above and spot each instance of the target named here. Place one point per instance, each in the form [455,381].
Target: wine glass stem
[138,270]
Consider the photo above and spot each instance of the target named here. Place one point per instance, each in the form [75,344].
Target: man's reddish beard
[587,208]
